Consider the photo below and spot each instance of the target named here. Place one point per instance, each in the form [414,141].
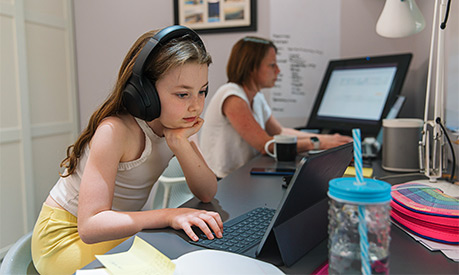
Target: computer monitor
[358,93]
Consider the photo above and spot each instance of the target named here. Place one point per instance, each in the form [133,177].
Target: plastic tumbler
[359,226]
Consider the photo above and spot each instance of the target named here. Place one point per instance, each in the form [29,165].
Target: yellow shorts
[56,244]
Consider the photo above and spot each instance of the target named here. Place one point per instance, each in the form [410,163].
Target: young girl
[113,165]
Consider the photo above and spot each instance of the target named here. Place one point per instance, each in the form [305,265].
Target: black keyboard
[241,233]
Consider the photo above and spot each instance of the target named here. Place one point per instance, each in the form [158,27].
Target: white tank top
[134,179]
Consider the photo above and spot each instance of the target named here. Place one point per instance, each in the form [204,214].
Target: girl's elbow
[85,235]
[206,200]
[207,197]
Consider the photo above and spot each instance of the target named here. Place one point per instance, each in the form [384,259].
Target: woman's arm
[98,222]
[304,141]
[326,141]
[240,116]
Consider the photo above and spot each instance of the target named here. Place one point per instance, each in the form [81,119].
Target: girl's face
[266,75]
[182,92]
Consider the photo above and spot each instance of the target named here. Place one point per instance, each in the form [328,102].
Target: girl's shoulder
[120,127]
[123,123]
[123,132]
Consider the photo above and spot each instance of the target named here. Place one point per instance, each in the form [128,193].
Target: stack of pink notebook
[426,211]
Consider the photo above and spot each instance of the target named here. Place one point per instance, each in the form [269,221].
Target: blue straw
[357,156]
[364,256]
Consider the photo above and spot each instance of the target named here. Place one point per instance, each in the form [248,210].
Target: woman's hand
[330,141]
[185,218]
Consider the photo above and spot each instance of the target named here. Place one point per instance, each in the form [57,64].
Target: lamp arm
[430,68]
[433,167]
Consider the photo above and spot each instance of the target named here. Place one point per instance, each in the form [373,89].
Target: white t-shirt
[134,179]
[223,148]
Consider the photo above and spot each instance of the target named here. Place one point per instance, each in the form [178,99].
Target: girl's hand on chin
[172,135]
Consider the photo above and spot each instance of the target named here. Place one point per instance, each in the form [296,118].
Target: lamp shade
[400,18]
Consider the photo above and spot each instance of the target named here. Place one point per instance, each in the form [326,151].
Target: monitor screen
[358,93]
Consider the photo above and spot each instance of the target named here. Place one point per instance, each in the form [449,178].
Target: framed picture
[212,16]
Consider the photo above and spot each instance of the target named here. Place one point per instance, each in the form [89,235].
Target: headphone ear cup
[154,110]
[140,97]
[133,102]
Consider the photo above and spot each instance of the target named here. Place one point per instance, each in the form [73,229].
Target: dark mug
[284,147]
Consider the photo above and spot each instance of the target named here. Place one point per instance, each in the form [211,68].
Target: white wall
[359,38]
[38,111]
[106,28]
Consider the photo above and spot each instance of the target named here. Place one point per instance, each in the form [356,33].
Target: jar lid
[373,191]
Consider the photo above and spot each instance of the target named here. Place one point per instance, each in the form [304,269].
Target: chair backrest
[173,170]
[18,259]
[173,189]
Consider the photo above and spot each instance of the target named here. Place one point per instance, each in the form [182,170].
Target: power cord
[453,169]
[443,24]
[399,176]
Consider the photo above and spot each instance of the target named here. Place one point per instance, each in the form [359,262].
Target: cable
[443,24]
[399,176]
[453,170]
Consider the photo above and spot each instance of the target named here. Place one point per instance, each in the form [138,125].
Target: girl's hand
[185,218]
[173,136]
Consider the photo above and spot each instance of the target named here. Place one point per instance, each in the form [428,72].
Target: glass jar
[349,230]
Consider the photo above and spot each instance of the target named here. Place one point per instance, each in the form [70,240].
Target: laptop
[301,220]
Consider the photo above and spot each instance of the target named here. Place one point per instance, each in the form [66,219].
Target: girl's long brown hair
[174,53]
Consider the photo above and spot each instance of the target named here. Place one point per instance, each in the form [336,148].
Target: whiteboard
[307,35]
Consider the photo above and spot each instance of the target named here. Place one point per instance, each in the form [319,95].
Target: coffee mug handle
[267,150]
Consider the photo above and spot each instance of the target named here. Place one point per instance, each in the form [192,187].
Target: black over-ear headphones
[140,97]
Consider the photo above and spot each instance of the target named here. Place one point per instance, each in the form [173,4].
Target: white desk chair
[173,189]
[18,259]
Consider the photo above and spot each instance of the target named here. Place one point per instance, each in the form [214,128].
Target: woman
[239,121]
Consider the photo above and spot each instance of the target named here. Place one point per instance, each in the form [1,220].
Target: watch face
[315,142]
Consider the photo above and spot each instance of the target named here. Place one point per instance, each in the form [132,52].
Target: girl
[239,121]
[113,165]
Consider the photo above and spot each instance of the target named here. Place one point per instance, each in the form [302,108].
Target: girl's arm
[199,177]
[98,222]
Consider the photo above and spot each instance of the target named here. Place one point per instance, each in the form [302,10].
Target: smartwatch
[315,142]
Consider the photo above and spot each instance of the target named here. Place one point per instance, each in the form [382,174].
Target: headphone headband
[159,39]
[140,97]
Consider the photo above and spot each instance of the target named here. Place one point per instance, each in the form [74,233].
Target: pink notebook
[426,212]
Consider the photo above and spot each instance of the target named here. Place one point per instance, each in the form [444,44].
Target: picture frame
[216,16]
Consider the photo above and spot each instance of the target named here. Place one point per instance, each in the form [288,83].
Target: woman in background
[239,121]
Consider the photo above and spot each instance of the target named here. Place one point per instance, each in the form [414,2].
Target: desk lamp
[401,18]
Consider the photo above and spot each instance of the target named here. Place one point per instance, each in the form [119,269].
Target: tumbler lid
[346,189]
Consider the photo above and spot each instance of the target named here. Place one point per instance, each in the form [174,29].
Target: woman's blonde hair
[246,57]
[172,54]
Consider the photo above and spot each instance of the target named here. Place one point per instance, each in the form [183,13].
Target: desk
[240,192]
